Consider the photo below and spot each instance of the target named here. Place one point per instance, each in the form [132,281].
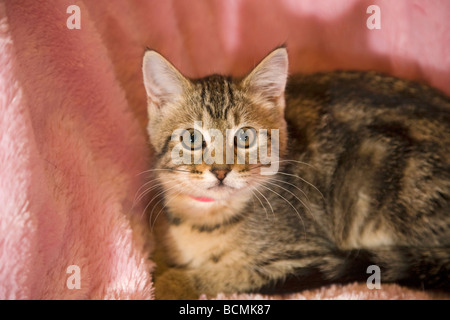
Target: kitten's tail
[425,268]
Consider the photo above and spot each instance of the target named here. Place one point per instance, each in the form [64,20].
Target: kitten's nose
[220,172]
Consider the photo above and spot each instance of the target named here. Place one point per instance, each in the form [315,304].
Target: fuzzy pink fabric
[73,116]
[71,151]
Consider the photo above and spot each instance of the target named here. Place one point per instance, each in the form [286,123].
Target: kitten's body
[364,179]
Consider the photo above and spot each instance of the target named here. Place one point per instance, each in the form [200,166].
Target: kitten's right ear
[162,81]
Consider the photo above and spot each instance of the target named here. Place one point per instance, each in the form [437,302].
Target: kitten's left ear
[269,77]
[163,82]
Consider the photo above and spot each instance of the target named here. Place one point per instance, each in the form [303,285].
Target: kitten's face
[218,124]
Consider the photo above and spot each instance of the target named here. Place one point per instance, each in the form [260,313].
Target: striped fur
[364,179]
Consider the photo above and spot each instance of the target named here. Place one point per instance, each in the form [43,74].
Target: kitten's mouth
[220,187]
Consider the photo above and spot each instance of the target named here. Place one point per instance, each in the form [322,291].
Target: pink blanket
[73,116]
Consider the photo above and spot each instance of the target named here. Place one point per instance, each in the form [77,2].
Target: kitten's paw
[175,284]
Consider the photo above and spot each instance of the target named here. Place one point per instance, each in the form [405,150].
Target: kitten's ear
[269,77]
[162,81]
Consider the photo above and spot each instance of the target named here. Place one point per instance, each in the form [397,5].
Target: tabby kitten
[363,178]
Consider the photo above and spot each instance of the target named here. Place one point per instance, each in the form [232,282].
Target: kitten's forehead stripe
[217,96]
[230,92]
[229,96]
[206,98]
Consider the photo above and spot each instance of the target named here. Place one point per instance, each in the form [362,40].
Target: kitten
[362,178]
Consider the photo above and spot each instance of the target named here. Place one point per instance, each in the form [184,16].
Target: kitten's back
[382,146]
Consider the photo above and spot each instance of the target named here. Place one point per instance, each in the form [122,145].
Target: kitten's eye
[245,138]
[192,140]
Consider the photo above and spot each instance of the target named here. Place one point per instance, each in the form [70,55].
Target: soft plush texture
[73,116]
[71,152]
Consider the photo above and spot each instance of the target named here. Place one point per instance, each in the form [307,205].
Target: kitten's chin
[207,207]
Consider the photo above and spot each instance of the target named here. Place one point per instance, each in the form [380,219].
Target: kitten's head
[209,134]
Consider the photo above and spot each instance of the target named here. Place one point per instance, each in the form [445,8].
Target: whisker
[160,193]
[296,161]
[148,182]
[253,201]
[145,184]
[304,205]
[288,202]
[285,160]
[268,202]
[161,210]
[162,169]
[267,214]
[259,166]
[304,194]
[305,181]
[293,185]
[152,223]
[139,198]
